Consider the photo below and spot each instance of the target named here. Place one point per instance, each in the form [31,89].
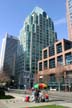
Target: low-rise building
[56,65]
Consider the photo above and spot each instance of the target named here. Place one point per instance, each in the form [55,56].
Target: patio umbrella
[36,86]
[40,85]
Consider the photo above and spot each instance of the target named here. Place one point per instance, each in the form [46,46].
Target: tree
[46,79]
[59,74]
[4,78]
[3,81]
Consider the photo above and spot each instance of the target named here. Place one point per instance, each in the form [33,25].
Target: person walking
[36,95]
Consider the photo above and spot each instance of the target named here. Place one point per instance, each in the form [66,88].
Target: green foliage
[4,78]
[2,92]
[48,106]
[6,97]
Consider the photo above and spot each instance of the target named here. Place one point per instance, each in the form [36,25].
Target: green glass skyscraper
[36,34]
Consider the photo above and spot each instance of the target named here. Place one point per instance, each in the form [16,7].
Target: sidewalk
[19,103]
[65,104]
[2,105]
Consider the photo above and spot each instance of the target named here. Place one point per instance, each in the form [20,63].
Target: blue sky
[14,12]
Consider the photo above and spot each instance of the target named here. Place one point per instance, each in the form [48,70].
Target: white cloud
[60,21]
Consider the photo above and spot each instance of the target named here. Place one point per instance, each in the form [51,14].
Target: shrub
[2,92]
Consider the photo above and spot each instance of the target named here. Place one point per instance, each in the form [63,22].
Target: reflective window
[59,48]
[52,63]
[60,59]
[67,45]
[68,58]
[40,66]
[45,64]
[51,51]
[45,54]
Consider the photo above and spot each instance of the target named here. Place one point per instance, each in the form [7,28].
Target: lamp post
[69,85]
[41,79]
[19,80]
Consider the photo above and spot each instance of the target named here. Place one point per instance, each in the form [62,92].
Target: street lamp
[69,85]
[41,79]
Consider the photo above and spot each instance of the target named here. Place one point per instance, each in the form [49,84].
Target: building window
[67,45]
[52,26]
[68,58]
[27,28]
[40,66]
[45,64]
[36,19]
[45,54]
[52,63]
[27,67]
[51,50]
[44,14]
[60,59]
[59,48]
[52,78]
[31,19]
[33,28]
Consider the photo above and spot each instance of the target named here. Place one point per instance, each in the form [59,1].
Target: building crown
[38,10]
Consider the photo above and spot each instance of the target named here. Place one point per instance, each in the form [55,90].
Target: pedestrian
[40,96]
[36,95]
[46,97]
[33,97]
[27,99]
